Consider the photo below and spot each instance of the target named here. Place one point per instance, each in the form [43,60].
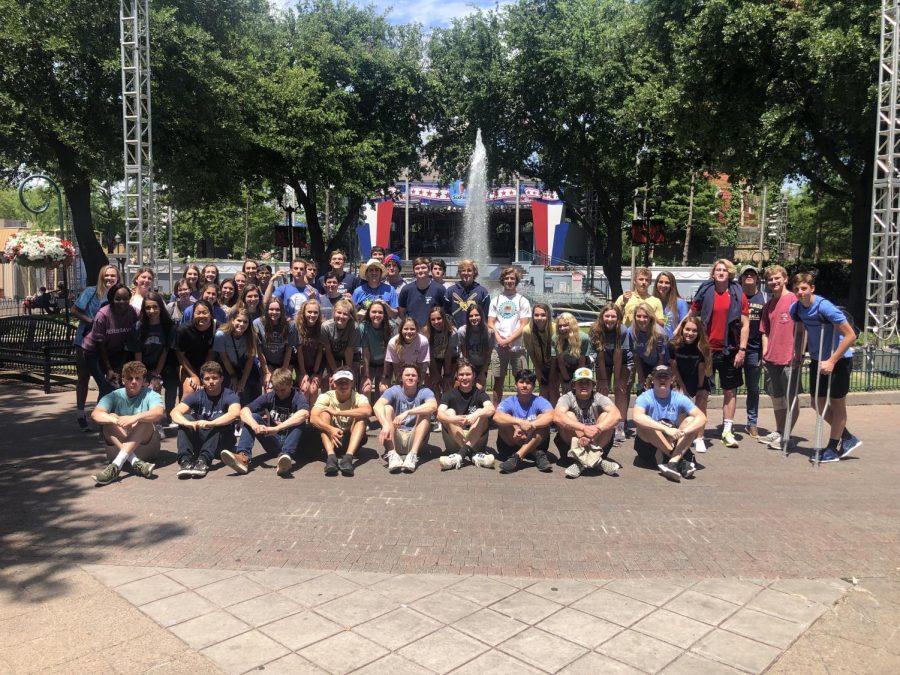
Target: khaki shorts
[403,439]
[452,446]
[504,359]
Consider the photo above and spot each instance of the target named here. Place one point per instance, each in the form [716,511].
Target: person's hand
[336,435]
[591,430]
[239,387]
[469,419]
[258,429]
[384,436]
[627,295]
[604,389]
[739,359]
[399,419]
[826,367]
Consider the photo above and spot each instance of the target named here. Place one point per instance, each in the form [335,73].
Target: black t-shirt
[156,339]
[205,408]
[465,404]
[195,344]
[279,409]
[688,359]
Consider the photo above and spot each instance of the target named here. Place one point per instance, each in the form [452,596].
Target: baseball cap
[662,370]
[343,375]
[749,268]
[583,374]
[393,257]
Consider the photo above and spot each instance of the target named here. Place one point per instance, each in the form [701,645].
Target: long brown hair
[702,339]
[671,301]
[250,337]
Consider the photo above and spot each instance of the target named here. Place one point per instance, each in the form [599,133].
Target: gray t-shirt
[338,340]
[587,412]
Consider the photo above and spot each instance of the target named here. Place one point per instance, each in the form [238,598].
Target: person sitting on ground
[523,425]
[404,412]
[206,419]
[667,423]
[586,420]
[126,417]
[829,341]
[465,413]
[341,414]
[276,418]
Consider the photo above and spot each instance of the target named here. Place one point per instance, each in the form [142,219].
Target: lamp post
[62,227]
[288,202]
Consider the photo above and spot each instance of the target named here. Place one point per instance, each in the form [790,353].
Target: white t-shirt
[507,312]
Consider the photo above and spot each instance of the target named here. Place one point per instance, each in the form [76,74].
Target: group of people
[264,356]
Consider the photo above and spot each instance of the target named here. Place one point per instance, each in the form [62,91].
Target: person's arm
[151,416]
[562,368]
[247,418]
[742,343]
[486,410]
[299,417]
[178,416]
[447,416]
[183,361]
[679,380]
[226,418]
[503,419]
[849,336]
[426,408]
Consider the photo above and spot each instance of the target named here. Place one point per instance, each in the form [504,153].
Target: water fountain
[474,242]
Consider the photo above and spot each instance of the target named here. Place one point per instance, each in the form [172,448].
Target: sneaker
[699,445]
[728,440]
[542,461]
[753,431]
[107,476]
[619,436]
[410,462]
[609,467]
[436,427]
[83,423]
[511,465]
[670,471]
[142,468]
[236,460]
[484,460]
[453,461]
[185,467]
[345,464]
[394,462]
[828,455]
[768,439]
[284,464]
[686,468]
[848,445]
[331,465]
[159,430]
[201,468]
[573,470]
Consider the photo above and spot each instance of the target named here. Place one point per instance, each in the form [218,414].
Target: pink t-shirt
[776,324]
[417,352]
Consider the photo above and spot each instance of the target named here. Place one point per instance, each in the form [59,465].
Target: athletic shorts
[839,379]
[729,376]
[691,387]
[452,446]
[777,380]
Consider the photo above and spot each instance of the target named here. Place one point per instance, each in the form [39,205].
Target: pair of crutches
[794,379]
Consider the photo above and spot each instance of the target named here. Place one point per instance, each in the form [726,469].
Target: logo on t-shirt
[507,308]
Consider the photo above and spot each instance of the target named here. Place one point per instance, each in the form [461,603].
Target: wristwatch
[742,349]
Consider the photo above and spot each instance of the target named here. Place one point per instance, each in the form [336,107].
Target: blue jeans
[204,443]
[752,369]
[92,360]
[285,442]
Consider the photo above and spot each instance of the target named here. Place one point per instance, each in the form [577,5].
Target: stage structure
[884,242]
[524,224]
[140,230]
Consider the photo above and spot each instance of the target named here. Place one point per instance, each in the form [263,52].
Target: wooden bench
[39,345]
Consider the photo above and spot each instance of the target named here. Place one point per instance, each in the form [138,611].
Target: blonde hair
[654,333]
[100,279]
[282,376]
[732,270]
[468,263]
[573,348]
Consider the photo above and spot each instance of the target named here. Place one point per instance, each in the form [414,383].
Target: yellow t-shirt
[329,401]
[629,307]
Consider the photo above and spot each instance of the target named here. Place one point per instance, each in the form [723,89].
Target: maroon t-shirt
[110,329]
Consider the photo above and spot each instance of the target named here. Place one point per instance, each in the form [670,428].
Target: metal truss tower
[140,231]
[781,232]
[884,242]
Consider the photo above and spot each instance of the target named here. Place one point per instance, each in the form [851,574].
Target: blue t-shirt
[538,406]
[117,401]
[88,303]
[670,409]
[639,339]
[218,314]
[400,402]
[820,313]
[418,303]
[293,298]
[205,408]
[672,321]
[279,409]
[363,295]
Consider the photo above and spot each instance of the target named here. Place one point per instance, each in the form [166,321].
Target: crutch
[820,416]
[795,376]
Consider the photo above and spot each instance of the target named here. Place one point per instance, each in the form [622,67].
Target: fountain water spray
[474,242]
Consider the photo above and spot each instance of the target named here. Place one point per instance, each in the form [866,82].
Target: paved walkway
[751,521]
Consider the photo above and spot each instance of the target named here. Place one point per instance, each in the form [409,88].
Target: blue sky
[429,13]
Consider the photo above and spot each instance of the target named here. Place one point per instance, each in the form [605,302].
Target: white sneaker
[436,427]
[410,463]
[394,462]
[699,445]
[609,467]
[484,460]
[453,461]
[770,438]
[573,470]
[619,436]
[284,464]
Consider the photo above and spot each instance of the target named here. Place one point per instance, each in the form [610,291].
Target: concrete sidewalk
[176,576]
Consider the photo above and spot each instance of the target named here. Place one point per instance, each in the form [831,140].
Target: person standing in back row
[417,298]
[756,300]
[508,315]
[466,293]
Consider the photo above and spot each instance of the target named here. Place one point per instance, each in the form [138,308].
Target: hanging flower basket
[34,249]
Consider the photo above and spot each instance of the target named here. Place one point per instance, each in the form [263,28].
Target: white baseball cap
[343,375]
[583,374]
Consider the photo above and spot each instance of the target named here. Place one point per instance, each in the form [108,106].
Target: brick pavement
[749,515]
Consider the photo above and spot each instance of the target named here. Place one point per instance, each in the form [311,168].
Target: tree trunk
[78,194]
[612,256]
[690,222]
[859,247]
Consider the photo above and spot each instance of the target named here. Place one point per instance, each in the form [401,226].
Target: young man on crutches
[829,338]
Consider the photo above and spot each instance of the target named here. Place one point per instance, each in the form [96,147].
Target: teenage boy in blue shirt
[523,425]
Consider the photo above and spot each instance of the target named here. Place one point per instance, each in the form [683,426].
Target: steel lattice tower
[134,23]
[884,246]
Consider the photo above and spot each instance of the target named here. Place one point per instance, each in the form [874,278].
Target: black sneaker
[511,465]
[542,461]
[345,464]
[185,467]
[331,465]
[83,423]
[201,468]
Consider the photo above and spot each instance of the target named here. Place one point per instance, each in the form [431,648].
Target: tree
[342,110]
[779,88]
